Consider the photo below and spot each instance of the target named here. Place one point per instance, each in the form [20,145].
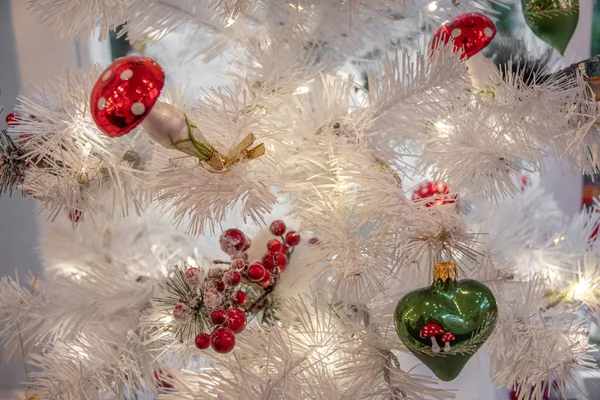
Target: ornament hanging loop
[444,255]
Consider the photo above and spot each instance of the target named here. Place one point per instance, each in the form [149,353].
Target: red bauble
[274,246]
[202,341]
[425,189]
[12,119]
[218,316]
[232,241]
[470,33]
[236,319]
[292,238]
[256,272]
[232,278]
[440,188]
[240,298]
[277,228]
[222,340]
[268,261]
[125,93]
[281,261]
[238,264]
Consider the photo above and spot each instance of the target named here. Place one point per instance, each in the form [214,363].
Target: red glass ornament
[292,238]
[202,341]
[238,264]
[273,246]
[232,241]
[12,119]
[268,261]
[222,340]
[218,316]
[470,33]
[232,278]
[125,93]
[236,319]
[240,298]
[281,261]
[256,272]
[425,189]
[277,228]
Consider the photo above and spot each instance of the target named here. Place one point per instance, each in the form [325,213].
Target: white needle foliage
[342,154]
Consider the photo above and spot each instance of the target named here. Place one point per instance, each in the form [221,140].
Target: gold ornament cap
[444,271]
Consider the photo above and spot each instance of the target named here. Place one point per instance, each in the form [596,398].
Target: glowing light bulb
[230,22]
[302,90]
[579,289]
[432,6]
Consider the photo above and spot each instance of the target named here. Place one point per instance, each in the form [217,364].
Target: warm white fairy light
[432,6]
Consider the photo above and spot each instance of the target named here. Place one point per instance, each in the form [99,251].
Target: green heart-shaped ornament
[444,324]
[553,21]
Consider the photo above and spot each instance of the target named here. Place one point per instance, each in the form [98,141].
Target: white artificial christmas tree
[259,240]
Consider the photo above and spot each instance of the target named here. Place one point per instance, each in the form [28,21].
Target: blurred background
[30,53]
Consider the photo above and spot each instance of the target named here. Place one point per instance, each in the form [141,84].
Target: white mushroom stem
[484,74]
[447,347]
[435,347]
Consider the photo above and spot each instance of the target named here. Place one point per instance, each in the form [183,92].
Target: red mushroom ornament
[431,330]
[470,33]
[447,338]
[125,93]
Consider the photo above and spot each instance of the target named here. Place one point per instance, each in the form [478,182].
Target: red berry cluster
[438,190]
[221,293]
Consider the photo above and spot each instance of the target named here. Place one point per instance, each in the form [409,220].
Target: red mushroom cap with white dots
[430,330]
[125,93]
[448,337]
[470,33]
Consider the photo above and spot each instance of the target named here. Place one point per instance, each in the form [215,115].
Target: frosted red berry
[182,311]
[256,272]
[292,238]
[222,340]
[12,119]
[281,261]
[232,278]
[232,241]
[277,228]
[240,298]
[236,320]
[218,316]
[220,285]
[274,246]
[202,341]
[247,243]
[268,261]
[238,264]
